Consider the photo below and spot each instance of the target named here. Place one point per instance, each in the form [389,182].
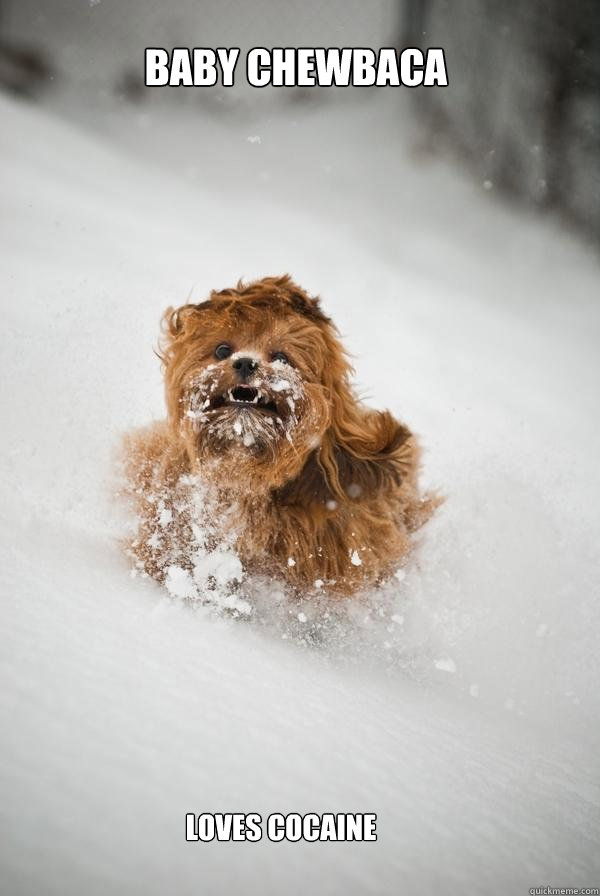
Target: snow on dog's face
[246,379]
[245,400]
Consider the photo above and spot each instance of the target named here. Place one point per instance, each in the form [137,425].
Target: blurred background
[521,115]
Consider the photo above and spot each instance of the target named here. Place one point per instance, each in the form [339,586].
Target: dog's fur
[308,485]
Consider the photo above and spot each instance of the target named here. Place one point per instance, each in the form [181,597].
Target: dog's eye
[280,356]
[222,351]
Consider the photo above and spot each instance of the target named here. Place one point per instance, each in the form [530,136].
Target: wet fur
[344,482]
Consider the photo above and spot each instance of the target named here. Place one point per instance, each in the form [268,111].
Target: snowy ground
[471,727]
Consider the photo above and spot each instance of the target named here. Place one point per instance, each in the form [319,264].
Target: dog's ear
[366,452]
[180,328]
[356,465]
[176,323]
[362,451]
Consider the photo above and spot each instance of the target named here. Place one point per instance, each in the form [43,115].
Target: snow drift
[460,704]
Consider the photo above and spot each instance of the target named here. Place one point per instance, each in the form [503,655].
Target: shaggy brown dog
[267,449]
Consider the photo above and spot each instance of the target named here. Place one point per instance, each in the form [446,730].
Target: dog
[268,452]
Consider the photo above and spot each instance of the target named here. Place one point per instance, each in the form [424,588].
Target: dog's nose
[244,367]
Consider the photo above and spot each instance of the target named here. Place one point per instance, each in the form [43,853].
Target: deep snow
[469,722]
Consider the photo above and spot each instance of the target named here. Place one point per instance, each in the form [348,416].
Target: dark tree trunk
[523,102]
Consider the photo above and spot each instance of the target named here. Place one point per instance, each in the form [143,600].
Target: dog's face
[247,378]
[257,384]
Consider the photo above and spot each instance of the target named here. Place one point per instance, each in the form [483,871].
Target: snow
[124,708]
[446,665]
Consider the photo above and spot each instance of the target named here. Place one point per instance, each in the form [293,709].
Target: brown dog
[267,451]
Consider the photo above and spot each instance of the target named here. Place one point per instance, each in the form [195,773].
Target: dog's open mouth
[244,397]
